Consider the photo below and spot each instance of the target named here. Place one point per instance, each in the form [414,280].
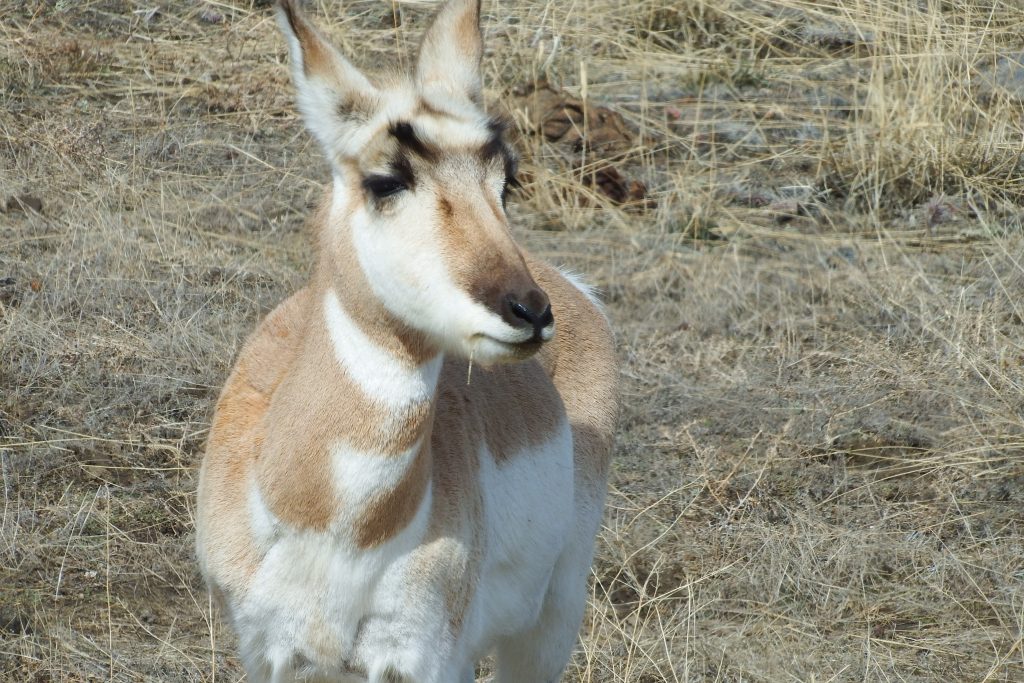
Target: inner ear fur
[330,90]
[451,51]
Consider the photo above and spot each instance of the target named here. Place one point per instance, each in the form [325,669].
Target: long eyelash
[382,187]
[401,167]
[511,167]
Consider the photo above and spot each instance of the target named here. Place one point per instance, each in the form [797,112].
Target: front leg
[539,654]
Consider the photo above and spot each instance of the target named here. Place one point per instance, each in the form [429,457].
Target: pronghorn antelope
[367,511]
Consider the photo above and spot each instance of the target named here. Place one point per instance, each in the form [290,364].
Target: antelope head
[421,174]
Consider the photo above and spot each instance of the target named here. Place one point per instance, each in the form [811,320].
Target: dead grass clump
[689,26]
[920,130]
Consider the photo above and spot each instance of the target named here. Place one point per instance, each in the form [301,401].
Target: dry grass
[819,474]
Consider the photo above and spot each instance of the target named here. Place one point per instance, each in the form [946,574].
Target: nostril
[530,311]
[522,312]
[546,318]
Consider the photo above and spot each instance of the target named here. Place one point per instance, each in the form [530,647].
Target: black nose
[533,310]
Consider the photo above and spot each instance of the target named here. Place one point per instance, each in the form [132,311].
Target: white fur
[393,105]
[528,507]
[588,290]
[529,515]
[310,597]
[319,95]
[408,274]
[359,476]
[339,196]
[346,140]
[464,132]
[264,525]
[320,606]
[455,108]
[381,376]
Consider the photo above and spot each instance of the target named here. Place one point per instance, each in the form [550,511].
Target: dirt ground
[815,281]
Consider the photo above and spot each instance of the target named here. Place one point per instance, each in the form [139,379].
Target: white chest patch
[529,512]
[359,476]
[313,591]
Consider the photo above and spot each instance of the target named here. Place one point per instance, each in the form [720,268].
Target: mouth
[531,344]
[485,347]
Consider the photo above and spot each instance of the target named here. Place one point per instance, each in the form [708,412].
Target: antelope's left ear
[449,58]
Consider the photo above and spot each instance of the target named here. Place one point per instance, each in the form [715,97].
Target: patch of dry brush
[820,473]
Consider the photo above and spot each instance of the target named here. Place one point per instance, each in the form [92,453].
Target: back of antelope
[368,509]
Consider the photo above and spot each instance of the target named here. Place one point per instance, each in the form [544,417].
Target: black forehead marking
[409,142]
[405,134]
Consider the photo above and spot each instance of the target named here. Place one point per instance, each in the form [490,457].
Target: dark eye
[383,186]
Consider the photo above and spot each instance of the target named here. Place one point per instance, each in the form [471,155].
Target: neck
[351,433]
[340,278]
[391,367]
[364,335]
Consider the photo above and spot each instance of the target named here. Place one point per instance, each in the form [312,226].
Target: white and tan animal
[365,512]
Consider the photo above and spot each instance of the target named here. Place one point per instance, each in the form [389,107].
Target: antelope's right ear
[332,94]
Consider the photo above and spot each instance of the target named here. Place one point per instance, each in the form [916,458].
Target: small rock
[785,210]
[25,203]
[12,622]
[211,17]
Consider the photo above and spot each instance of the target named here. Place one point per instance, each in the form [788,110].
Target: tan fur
[290,406]
[295,472]
[457,506]
[487,269]
[501,402]
[391,510]
[236,442]
[302,423]
[467,33]
[582,364]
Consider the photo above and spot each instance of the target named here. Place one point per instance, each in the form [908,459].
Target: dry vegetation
[820,471]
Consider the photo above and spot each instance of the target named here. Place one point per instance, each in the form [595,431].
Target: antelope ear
[332,94]
[449,58]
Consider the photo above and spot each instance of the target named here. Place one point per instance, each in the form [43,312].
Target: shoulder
[582,363]
[581,322]
[270,349]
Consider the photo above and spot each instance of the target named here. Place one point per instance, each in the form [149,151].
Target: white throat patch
[381,376]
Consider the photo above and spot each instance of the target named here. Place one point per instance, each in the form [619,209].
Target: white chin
[487,350]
